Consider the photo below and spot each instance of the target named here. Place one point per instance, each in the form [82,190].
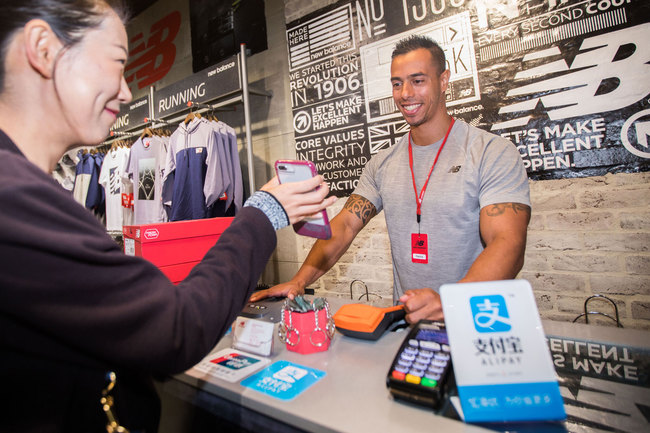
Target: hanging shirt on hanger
[96,197]
[218,187]
[190,184]
[235,191]
[127,202]
[83,172]
[65,172]
[110,178]
[146,167]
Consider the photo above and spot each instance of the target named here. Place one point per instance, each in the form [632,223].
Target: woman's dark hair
[416,42]
[69,19]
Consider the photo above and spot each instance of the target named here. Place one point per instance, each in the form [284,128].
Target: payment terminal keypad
[421,366]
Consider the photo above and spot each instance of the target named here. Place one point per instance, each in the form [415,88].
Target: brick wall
[591,236]
[368,259]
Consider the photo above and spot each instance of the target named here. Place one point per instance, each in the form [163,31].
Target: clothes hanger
[190,116]
[212,117]
[146,133]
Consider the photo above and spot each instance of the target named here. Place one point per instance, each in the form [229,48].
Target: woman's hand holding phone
[301,199]
[316,224]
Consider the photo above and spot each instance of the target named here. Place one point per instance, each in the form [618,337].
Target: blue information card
[502,364]
[283,380]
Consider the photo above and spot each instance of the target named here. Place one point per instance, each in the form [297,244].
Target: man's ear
[444,80]
[41,46]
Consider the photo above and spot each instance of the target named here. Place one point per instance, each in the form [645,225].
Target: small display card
[230,364]
[502,364]
[284,380]
[251,335]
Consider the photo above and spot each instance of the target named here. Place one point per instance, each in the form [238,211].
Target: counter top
[352,397]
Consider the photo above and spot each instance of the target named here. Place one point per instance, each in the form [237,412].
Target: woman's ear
[41,46]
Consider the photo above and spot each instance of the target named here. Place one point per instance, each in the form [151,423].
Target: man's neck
[431,132]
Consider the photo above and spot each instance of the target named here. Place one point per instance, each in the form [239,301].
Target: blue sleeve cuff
[271,207]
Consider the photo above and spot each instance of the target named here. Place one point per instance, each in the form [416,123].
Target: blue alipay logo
[490,313]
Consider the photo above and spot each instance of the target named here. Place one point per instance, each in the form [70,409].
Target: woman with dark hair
[72,306]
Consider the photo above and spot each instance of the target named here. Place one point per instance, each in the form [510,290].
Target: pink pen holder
[306,332]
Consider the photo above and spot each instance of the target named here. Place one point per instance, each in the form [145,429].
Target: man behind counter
[455,198]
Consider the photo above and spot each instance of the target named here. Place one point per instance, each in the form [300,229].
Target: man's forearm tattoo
[500,208]
[360,207]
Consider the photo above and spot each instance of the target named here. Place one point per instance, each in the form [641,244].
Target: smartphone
[422,366]
[317,226]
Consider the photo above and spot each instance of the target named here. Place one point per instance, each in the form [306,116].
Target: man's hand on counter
[422,304]
[288,289]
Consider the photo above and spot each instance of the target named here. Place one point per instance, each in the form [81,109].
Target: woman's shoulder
[15,168]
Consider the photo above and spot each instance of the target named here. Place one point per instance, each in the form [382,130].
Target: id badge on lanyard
[419,248]
[420,241]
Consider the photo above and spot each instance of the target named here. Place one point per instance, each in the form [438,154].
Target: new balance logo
[609,73]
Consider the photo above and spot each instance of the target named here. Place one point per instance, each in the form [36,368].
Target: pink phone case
[293,171]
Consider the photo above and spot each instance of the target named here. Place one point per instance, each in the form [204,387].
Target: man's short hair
[415,42]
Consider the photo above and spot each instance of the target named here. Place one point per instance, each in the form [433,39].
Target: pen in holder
[306,327]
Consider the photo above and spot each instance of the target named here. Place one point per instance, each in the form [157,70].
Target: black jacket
[73,306]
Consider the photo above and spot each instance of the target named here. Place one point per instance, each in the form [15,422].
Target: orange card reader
[366,321]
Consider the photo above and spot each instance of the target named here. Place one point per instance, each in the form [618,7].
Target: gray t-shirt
[475,169]
[145,168]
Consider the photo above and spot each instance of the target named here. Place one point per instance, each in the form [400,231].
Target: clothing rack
[121,134]
[239,96]
[207,107]
[142,116]
[156,123]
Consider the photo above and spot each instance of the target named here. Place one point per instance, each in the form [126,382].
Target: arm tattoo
[361,207]
[500,208]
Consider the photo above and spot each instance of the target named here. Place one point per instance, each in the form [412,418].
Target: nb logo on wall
[608,73]
[490,313]
[153,56]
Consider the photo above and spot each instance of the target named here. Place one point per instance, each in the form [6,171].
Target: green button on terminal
[428,382]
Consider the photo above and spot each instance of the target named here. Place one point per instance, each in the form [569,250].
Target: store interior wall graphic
[564,80]
[546,74]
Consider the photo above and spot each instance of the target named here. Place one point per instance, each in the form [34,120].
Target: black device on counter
[268,309]
[422,365]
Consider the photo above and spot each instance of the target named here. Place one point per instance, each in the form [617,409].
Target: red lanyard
[418,199]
